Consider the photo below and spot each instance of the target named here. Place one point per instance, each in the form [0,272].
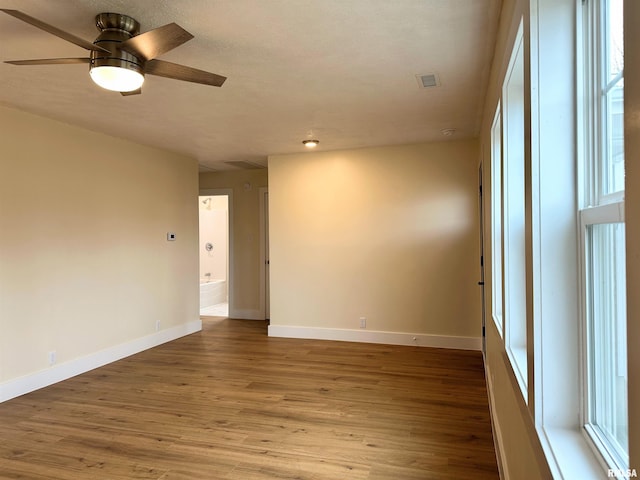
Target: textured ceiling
[343,71]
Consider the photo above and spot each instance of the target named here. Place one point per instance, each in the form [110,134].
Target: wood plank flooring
[231,403]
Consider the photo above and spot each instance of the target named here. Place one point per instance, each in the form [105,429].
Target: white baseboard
[372,336]
[57,373]
[245,314]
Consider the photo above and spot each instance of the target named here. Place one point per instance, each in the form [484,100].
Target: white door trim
[264,257]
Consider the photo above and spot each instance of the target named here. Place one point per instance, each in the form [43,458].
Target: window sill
[569,455]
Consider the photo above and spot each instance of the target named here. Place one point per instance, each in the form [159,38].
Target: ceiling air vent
[244,165]
[427,81]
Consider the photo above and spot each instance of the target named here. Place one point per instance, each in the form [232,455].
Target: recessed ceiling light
[310,143]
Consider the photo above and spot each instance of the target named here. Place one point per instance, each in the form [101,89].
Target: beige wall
[389,233]
[245,261]
[85,264]
[521,453]
[518,443]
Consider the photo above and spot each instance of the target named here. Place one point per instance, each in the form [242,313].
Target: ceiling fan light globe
[117,79]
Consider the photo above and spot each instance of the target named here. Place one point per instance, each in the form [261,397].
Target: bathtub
[212,292]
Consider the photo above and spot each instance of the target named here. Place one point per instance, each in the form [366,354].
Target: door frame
[481,221]
[265,295]
[230,284]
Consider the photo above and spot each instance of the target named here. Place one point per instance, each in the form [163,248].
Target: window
[557,163]
[496,220]
[603,234]
[513,191]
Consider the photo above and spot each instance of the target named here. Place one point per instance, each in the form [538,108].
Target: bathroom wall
[214,229]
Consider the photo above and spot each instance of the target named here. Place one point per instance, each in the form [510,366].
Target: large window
[602,239]
[513,208]
[557,169]
[496,220]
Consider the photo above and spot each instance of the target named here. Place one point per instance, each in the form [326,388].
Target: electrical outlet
[52,357]
[157,325]
[363,322]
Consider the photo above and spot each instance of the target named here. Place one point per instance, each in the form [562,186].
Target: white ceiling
[343,71]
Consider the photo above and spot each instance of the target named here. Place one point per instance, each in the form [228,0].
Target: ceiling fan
[121,56]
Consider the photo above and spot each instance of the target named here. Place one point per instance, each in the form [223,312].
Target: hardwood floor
[231,403]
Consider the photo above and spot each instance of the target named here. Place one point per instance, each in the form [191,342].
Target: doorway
[214,253]
[481,282]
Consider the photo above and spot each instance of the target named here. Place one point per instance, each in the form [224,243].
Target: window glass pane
[614,156]
[514,227]
[614,40]
[496,219]
[607,352]
[612,91]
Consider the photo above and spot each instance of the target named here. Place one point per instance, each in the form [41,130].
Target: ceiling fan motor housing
[121,55]
[115,29]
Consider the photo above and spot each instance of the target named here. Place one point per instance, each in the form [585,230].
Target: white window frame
[496,222]
[598,206]
[514,240]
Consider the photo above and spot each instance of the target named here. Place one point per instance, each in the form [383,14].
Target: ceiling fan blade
[182,72]
[154,43]
[53,30]
[134,92]
[49,61]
